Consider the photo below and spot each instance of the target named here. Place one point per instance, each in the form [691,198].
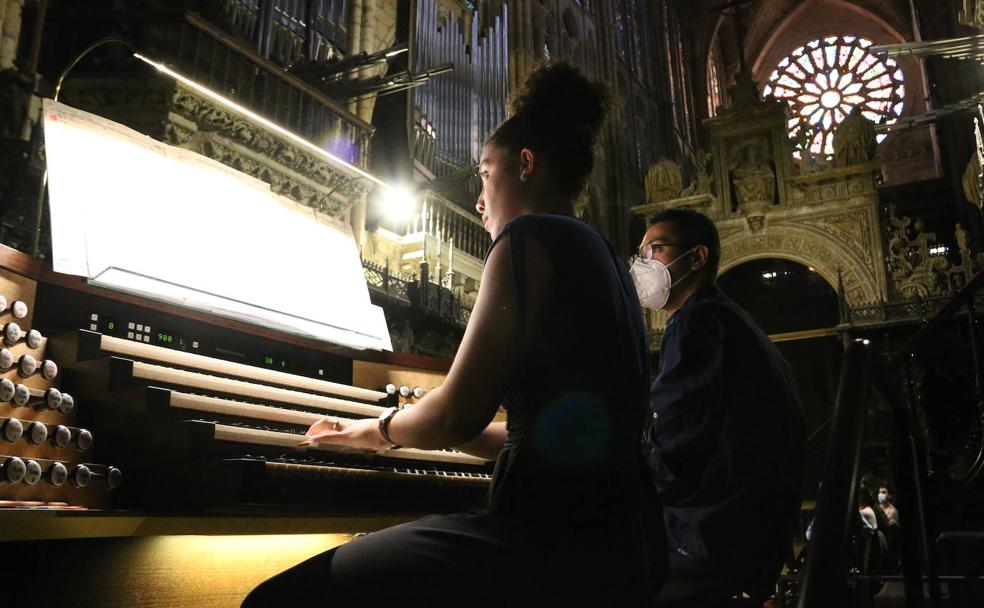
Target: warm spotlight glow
[397,203]
[224,548]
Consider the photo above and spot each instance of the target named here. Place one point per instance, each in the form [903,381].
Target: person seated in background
[727,428]
[890,528]
[868,517]
[871,542]
[885,502]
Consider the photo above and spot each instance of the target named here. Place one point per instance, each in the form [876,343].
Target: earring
[522,177]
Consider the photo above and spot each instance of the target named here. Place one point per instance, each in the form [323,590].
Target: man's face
[666,247]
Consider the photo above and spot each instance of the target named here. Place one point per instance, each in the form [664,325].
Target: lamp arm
[342,184]
[39,206]
[86,51]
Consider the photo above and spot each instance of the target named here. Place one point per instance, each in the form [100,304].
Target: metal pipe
[824,574]
[39,205]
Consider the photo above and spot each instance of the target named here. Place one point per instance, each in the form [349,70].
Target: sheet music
[135,214]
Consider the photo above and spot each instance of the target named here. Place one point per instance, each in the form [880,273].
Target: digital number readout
[274,362]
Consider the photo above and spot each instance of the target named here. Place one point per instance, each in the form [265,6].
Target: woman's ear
[527,162]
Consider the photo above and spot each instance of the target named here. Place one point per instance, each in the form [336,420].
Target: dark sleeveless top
[576,408]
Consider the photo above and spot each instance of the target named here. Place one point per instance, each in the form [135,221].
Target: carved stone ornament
[854,140]
[744,93]
[972,181]
[703,163]
[753,178]
[972,13]
[664,181]
[290,170]
[917,269]
[810,247]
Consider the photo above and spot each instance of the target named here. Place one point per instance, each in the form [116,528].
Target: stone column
[369,46]
[10,35]
[358,222]
[355,39]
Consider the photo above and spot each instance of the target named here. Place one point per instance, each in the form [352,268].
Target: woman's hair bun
[560,95]
[558,113]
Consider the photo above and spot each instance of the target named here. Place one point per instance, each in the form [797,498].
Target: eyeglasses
[649,250]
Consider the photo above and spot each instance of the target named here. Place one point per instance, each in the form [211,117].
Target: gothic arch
[812,248]
[801,25]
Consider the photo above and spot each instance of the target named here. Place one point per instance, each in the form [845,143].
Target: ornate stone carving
[811,247]
[840,184]
[234,128]
[281,181]
[917,269]
[961,236]
[854,140]
[10,31]
[703,183]
[753,178]
[754,183]
[664,181]
[808,161]
[852,229]
[972,181]
[972,13]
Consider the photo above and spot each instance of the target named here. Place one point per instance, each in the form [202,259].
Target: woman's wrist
[385,419]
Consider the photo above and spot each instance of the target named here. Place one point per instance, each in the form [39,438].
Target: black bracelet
[384,422]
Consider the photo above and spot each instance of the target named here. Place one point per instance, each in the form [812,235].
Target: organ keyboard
[229,434]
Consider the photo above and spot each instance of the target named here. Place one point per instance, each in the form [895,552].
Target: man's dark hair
[693,228]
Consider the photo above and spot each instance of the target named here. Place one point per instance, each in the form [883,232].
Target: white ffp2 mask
[653,281]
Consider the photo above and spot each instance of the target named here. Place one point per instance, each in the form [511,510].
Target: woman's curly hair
[557,113]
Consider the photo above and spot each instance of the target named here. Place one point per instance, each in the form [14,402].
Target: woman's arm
[489,442]
[459,411]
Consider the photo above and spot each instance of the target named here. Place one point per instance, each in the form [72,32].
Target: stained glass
[825,79]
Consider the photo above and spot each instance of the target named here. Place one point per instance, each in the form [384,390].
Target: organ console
[201,412]
[206,416]
[157,420]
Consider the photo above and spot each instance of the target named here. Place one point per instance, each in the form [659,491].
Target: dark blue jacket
[726,439]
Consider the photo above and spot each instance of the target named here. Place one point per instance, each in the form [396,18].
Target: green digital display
[111,325]
[274,362]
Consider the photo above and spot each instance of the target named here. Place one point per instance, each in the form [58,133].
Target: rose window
[825,79]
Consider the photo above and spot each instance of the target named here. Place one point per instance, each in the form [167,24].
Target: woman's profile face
[501,188]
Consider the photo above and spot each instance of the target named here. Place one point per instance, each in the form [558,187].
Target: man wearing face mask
[727,429]
[885,502]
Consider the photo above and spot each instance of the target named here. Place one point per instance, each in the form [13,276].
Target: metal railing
[441,216]
[432,299]
[825,580]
